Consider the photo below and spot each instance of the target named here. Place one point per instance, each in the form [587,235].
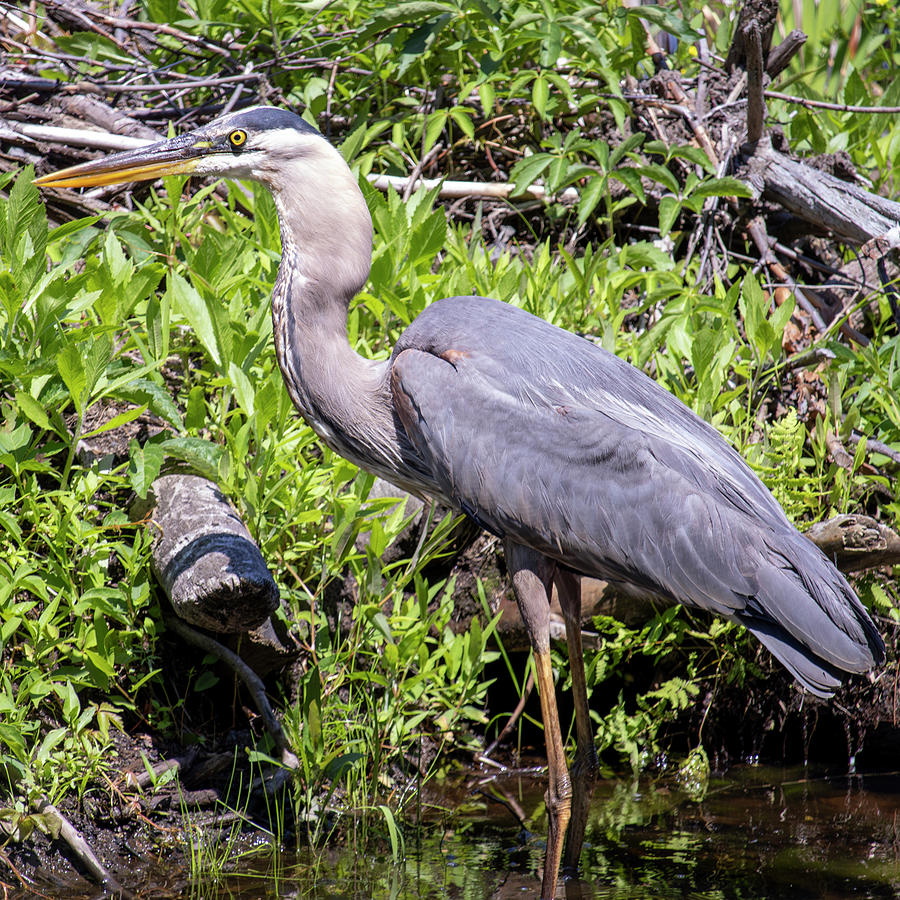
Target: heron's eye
[237,138]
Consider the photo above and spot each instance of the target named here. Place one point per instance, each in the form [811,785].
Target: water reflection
[759,833]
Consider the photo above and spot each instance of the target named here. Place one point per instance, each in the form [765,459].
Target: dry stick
[856,542]
[183,85]
[837,107]
[449,190]
[757,230]
[142,779]
[676,93]
[236,93]
[514,717]
[24,881]
[710,205]
[875,446]
[756,106]
[838,452]
[78,844]
[762,14]
[420,167]
[853,214]
[252,681]
[781,56]
[128,24]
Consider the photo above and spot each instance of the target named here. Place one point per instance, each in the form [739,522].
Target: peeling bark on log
[851,213]
[856,542]
[205,559]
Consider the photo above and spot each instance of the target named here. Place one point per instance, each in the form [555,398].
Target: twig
[136,24]
[837,107]
[420,167]
[676,92]
[251,680]
[171,86]
[838,452]
[514,717]
[77,843]
[142,779]
[875,446]
[77,137]
[856,542]
[757,230]
[236,93]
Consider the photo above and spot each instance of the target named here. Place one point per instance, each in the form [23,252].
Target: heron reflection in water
[578,461]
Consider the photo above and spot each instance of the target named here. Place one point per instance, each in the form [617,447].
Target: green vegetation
[155,324]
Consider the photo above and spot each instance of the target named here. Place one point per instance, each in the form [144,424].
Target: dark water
[758,833]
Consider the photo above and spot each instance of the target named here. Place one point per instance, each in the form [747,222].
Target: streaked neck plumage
[326,234]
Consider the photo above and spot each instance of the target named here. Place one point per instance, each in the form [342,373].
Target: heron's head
[321,209]
[262,143]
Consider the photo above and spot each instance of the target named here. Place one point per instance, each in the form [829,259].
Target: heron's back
[549,440]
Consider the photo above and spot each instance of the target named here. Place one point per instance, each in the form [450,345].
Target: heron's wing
[544,438]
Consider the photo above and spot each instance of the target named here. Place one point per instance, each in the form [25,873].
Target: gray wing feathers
[544,438]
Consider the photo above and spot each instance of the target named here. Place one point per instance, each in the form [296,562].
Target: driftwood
[204,557]
[60,826]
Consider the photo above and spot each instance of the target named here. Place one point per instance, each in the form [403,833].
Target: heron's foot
[584,772]
[558,799]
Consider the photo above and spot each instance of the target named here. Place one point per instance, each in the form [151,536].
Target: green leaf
[402,14]
[144,466]
[195,415]
[153,396]
[487,96]
[669,207]
[752,304]
[632,180]
[123,418]
[67,229]
[540,94]
[463,118]
[206,681]
[70,365]
[186,300]
[243,388]
[204,456]
[722,187]
[436,122]
[661,174]
[593,192]
[528,170]
[97,359]
[695,155]
[33,410]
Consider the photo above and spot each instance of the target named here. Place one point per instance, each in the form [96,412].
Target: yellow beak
[178,156]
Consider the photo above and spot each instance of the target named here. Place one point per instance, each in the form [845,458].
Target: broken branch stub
[205,559]
[856,542]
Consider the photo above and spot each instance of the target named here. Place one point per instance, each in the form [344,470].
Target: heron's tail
[809,617]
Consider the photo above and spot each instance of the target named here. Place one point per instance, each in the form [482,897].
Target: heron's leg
[584,768]
[532,578]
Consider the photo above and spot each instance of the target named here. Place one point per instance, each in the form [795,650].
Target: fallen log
[204,557]
[848,211]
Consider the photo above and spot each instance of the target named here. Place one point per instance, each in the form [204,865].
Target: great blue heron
[582,464]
